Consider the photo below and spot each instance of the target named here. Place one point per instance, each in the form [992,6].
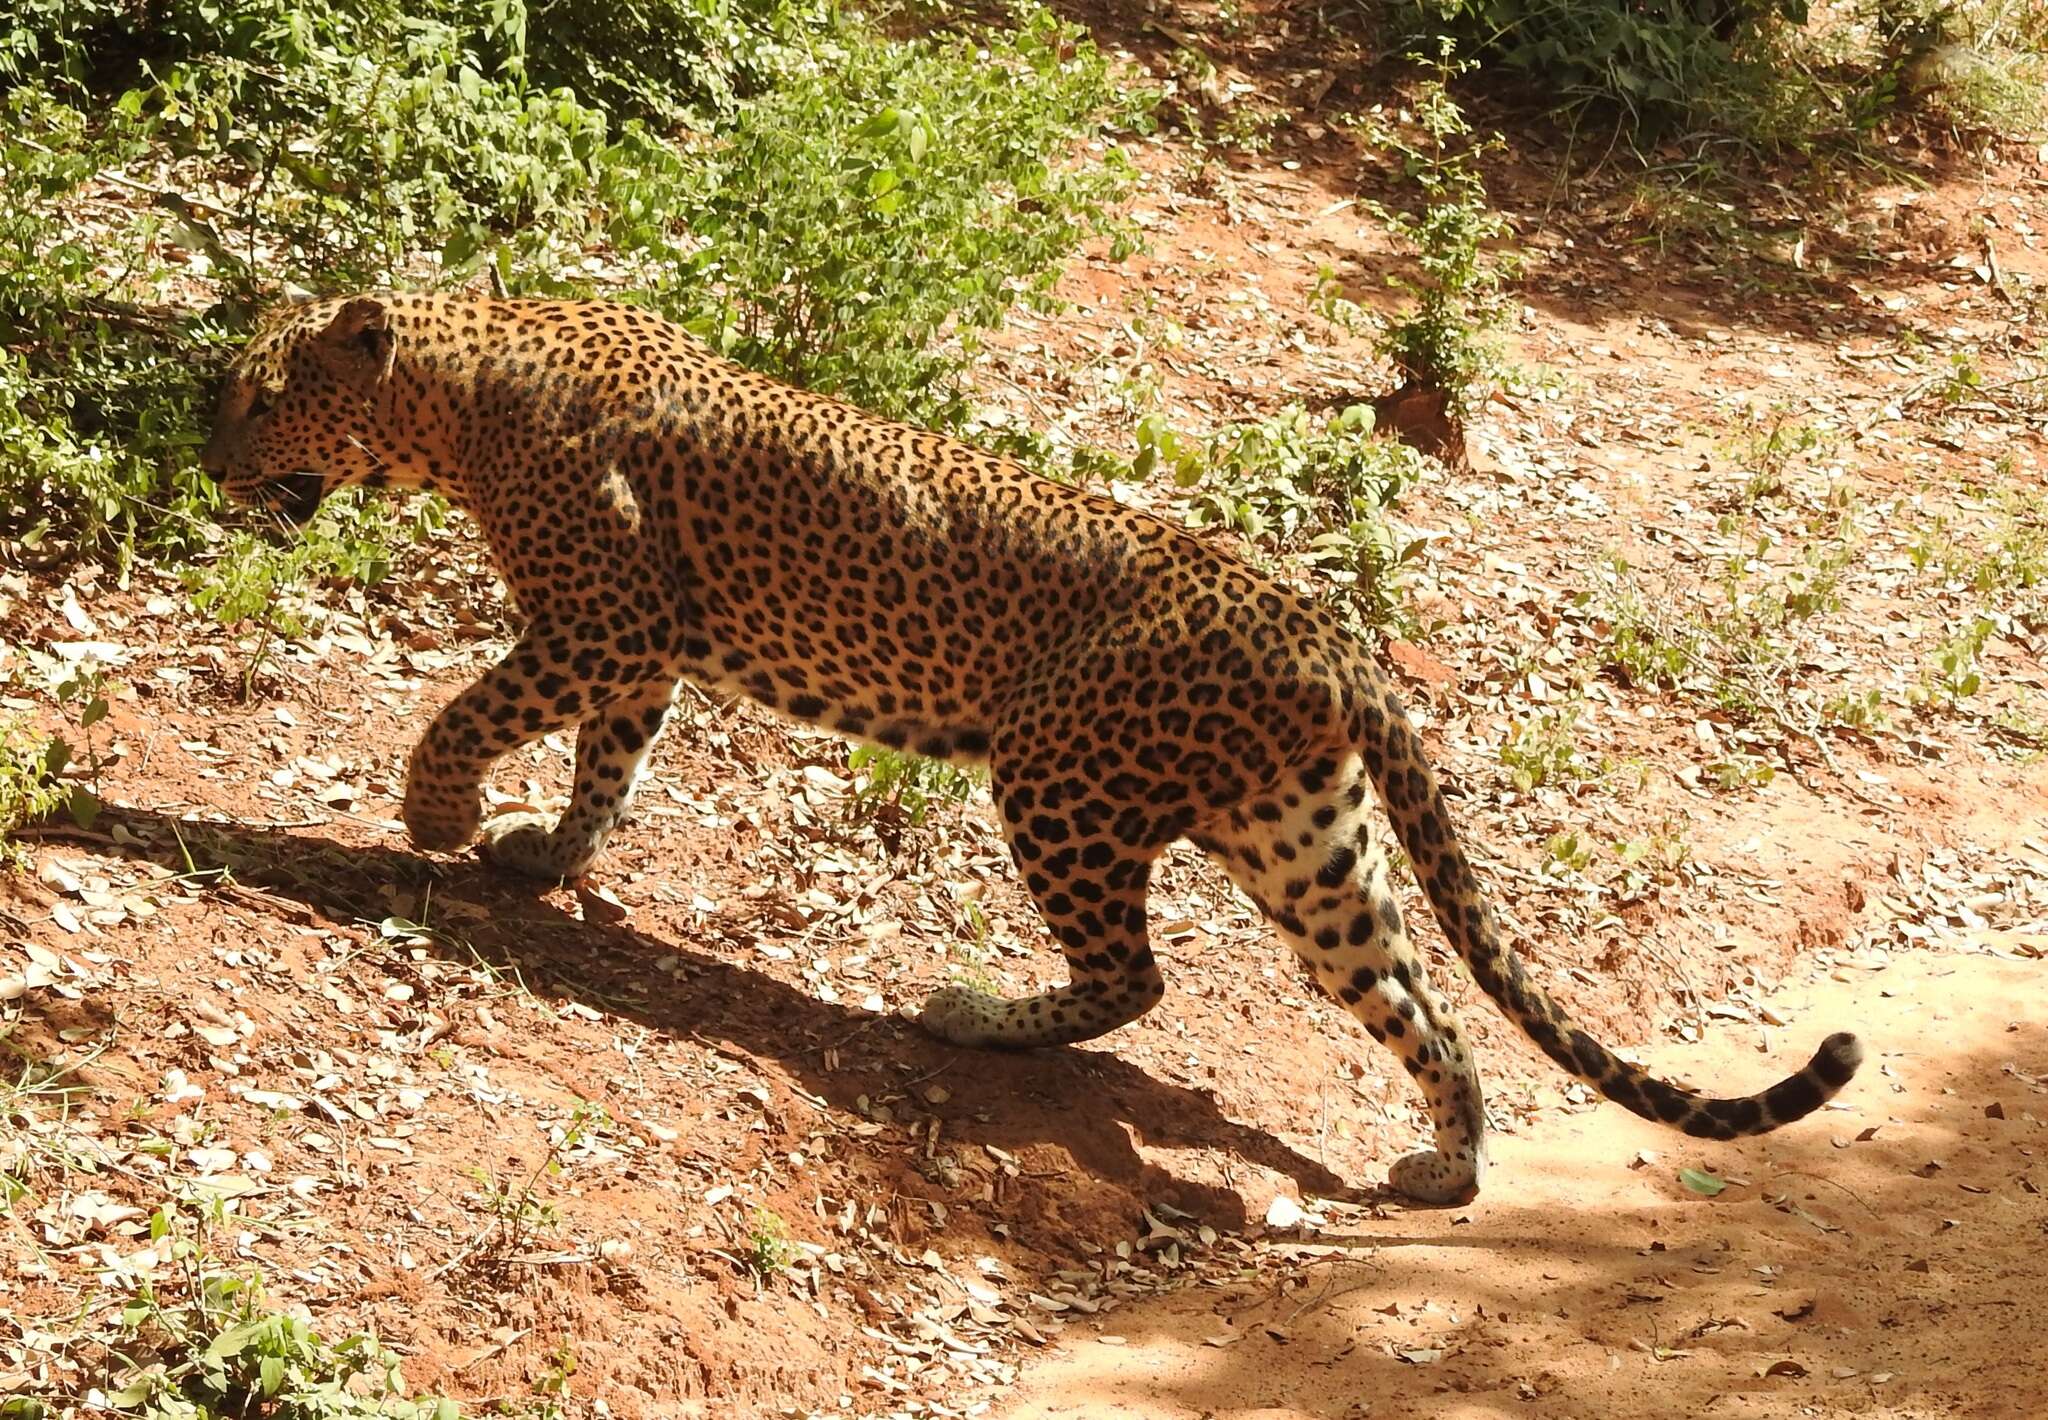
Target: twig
[1823,1178]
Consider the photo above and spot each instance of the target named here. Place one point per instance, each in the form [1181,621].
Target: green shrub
[101,403]
[1753,71]
[856,228]
[364,140]
[1315,491]
[907,784]
[663,60]
[207,1342]
[1656,60]
[1446,340]
[29,765]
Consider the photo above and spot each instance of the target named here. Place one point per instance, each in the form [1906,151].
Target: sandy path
[1903,1274]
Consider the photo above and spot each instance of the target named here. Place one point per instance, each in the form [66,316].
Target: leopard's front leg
[542,684]
[611,749]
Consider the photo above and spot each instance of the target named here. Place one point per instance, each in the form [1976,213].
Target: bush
[667,60]
[29,766]
[100,404]
[358,144]
[1317,492]
[857,227]
[661,60]
[1750,69]
[1657,60]
[1447,340]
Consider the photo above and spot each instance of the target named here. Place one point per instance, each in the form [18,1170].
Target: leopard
[662,515]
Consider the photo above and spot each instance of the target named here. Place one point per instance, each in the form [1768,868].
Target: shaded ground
[239,988]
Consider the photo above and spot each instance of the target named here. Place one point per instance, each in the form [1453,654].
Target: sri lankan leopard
[662,513]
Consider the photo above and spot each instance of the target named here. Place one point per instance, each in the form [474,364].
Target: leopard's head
[302,409]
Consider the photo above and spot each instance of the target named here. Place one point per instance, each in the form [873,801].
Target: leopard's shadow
[1085,1100]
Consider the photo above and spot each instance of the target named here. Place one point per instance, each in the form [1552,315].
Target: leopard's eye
[259,404]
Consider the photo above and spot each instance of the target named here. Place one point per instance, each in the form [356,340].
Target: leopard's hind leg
[1087,861]
[1305,852]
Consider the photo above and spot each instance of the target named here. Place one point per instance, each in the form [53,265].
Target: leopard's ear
[361,333]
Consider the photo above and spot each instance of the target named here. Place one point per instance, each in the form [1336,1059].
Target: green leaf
[1702,1182]
[235,1339]
[882,124]
[83,806]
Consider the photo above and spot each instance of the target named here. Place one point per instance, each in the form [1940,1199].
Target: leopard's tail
[1407,786]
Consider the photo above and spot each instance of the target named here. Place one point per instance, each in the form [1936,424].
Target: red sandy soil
[795,1203]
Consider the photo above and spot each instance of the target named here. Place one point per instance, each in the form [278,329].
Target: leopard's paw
[441,819]
[964,1016]
[526,844]
[1430,1177]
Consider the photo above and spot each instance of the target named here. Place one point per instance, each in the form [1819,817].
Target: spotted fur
[661,513]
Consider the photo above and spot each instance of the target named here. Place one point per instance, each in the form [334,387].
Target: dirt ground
[1883,1263]
[369,1075]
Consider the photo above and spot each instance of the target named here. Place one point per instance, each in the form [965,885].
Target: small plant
[1248,125]
[2017,560]
[1739,771]
[257,580]
[1327,299]
[1314,490]
[1961,381]
[207,1342]
[1446,341]
[769,1250]
[42,1091]
[1740,652]
[552,1385]
[1657,857]
[1541,749]
[972,954]
[1771,454]
[1855,710]
[29,789]
[1160,447]
[1643,649]
[518,1213]
[906,785]
[81,688]
[519,1209]
[845,208]
[2008,569]
[1568,852]
[1954,675]
[1214,112]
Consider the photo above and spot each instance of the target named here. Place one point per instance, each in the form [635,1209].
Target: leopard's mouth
[296,496]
